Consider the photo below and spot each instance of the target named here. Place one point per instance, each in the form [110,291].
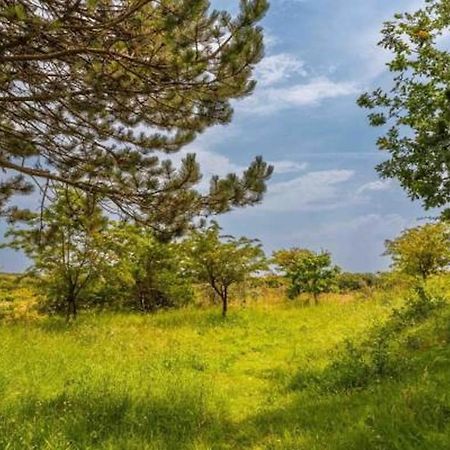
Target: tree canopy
[421,251]
[416,109]
[99,93]
[142,271]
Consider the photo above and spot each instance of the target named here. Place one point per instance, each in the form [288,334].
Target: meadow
[260,379]
[141,324]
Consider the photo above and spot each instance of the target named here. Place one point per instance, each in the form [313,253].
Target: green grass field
[187,379]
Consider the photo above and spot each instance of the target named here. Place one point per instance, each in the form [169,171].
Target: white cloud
[373,221]
[312,191]
[270,39]
[379,185]
[212,163]
[277,68]
[285,166]
[312,93]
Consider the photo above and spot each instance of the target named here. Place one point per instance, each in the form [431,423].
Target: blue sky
[325,194]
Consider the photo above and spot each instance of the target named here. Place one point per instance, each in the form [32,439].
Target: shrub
[379,356]
[348,282]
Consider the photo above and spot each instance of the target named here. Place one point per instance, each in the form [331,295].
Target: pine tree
[98,93]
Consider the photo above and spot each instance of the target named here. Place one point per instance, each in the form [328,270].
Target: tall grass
[187,379]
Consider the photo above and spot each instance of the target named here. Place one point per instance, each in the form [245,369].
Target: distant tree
[65,243]
[417,107]
[222,261]
[92,90]
[421,251]
[308,272]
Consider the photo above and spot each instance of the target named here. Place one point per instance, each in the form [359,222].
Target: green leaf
[20,12]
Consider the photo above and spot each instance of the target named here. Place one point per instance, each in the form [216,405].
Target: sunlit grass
[188,379]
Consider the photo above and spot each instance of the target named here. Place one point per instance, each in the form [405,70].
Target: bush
[379,356]
[395,281]
[349,282]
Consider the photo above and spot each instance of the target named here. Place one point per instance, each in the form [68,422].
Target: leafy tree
[421,251]
[65,242]
[308,272]
[143,270]
[417,108]
[222,261]
[285,259]
[92,90]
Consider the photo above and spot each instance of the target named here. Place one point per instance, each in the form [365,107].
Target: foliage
[82,80]
[142,270]
[65,242]
[80,255]
[348,281]
[421,251]
[308,272]
[222,261]
[285,259]
[379,356]
[18,300]
[417,108]
[394,280]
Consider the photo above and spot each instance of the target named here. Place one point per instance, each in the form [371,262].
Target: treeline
[82,257]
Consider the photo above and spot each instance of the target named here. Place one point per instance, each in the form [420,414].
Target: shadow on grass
[400,416]
[82,420]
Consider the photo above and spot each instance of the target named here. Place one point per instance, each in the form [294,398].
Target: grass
[187,379]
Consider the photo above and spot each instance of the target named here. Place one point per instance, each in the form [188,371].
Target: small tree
[308,272]
[421,251]
[222,261]
[65,243]
[286,258]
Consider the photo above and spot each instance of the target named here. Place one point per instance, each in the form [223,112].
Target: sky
[325,193]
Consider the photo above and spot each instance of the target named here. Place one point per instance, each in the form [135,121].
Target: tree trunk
[71,306]
[316,298]
[224,303]
[142,302]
